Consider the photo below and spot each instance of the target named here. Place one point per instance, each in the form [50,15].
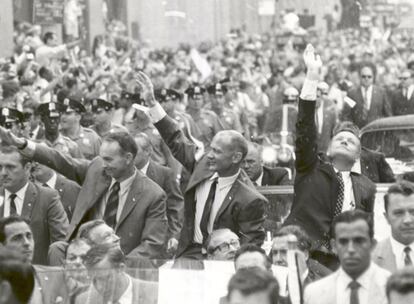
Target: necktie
[207,210]
[340,201]
[112,206]
[407,258]
[13,208]
[45,185]
[354,286]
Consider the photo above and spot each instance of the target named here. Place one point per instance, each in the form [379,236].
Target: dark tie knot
[12,196]
[407,250]
[354,285]
[115,187]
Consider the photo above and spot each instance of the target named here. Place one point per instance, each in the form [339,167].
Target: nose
[351,247]
[115,238]
[407,218]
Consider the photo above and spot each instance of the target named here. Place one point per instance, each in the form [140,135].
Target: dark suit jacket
[375,167]
[384,257]
[328,125]
[48,219]
[52,283]
[380,106]
[68,191]
[142,226]
[243,209]
[399,104]
[275,176]
[316,185]
[165,178]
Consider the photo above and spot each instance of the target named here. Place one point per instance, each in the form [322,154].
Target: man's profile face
[345,144]
[221,156]
[19,238]
[103,234]
[398,298]
[13,175]
[252,164]
[236,297]
[115,160]
[400,216]
[69,119]
[353,246]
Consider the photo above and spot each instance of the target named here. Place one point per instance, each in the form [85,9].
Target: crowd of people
[132,157]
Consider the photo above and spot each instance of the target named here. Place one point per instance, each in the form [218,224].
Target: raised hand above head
[147,88]
[313,62]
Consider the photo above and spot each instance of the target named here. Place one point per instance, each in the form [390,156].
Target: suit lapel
[132,198]
[229,197]
[266,177]
[357,189]
[150,171]
[29,201]
[200,173]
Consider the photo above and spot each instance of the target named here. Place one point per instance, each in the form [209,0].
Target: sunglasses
[366,76]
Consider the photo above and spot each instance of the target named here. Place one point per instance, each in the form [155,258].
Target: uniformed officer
[12,119]
[228,117]
[102,115]
[125,102]
[206,120]
[88,141]
[50,116]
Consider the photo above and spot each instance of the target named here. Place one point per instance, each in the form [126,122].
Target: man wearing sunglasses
[402,98]
[370,101]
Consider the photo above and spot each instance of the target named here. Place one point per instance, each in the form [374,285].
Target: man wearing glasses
[370,101]
[222,245]
[402,98]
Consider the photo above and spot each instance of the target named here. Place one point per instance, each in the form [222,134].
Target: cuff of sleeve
[309,90]
[29,150]
[156,113]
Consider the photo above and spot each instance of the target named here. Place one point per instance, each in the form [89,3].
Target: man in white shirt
[396,251]
[358,280]
[111,284]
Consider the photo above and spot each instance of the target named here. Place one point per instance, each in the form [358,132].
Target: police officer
[206,120]
[50,117]
[12,119]
[125,103]
[88,141]
[228,118]
[102,115]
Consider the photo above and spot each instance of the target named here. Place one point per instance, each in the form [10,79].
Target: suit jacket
[316,185]
[142,292]
[375,167]
[68,191]
[165,178]
[52,284]
[380,106]
[243,209]
[48,219]
[400,105]
[328,124]
[384,257]
[142,225]
[324,290]
[275,176]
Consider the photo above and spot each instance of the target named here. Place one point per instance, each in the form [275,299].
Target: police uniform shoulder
[118,128]
[89,131]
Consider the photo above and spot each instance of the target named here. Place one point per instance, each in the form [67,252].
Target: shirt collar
[225,181]
[397,247]
[19,194]
[364,279]
[52,181]
[145,168]
[125,184]
[356,168]
[259,180]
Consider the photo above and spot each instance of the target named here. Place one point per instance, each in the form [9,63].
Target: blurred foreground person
[400,287]
[250,255]
[358,280]
[16,278]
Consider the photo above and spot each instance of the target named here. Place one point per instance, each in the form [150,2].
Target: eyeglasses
[226,245]
[366,76]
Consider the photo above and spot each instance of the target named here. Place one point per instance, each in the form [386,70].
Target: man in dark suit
[68,190]
[165,178]
[112,189]
[371,101]
[219,194]
[402,98]
[259,174]
[42,206]
[324,189]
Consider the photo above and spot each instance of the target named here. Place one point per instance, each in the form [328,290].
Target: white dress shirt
[259,180]
[319,117]
[18,201]
[398,250]
[343,292]
[223,187]
[349,199]
[124,188]
[126,297]
[367,94]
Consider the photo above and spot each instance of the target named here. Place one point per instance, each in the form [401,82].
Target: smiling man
[358,280]
[396,251]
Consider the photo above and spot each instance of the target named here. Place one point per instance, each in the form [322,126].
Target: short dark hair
[401,282]
[86,228]
[251,280]
[369,65]
[18,273]
[47,36]
[12,149]
[253,248]
[7,221]
[403,187]
[304,241]
[351,216]
[125,141]
[101,251]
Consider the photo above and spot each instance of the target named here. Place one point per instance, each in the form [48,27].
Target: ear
[129,157]
[28,167]
[306,254]
[237,157]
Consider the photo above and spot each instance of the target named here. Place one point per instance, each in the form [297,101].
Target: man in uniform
[207,121]
[228,118]
[50,117]
[11,119]
[87,139]
[102,115]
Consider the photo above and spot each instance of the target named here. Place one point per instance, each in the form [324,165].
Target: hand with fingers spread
[147,88]
[7,137]
[313,63]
